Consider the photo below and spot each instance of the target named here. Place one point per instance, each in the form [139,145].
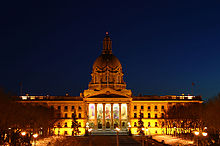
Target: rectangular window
[59,107]
[142,107]
[148,107]
[155,107]
[162,115]
[124,111]
[79,115]
[162,107]
[72,107]
[80,108]
[80,124]
[142,115]
[58,125]
[65,108]
[116,111]
[149,115]
[91,111]
[135,115]
[156,124]
[65,115]
[99,111]
[108,111]
[135,107]
[148,124]
[73,115]
[155,116]
[65,124]
[65,132]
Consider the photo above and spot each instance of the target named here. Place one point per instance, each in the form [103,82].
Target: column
[103,123]
[87,112]
[119,115]
[96,116]
[128,112]
[112,118]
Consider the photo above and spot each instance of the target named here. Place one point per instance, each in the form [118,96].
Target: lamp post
[90,140]
[142,136]
[196,133]
[129,128]
[35,137]
[117,129]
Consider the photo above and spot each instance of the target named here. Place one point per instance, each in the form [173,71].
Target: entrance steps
[109,132]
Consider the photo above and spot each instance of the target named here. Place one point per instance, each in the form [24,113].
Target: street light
[90,141]
[35,137]
[204,133]
[117,129]
[142,136]
[196,133]
[23,133]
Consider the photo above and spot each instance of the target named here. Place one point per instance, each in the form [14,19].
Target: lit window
[135,107]
[148,115]
[162,115]
[142,115]
[135,115]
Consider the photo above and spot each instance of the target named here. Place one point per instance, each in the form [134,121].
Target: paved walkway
[97,141]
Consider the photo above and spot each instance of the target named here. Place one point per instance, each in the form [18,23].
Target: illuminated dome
[105,60]
[107,69]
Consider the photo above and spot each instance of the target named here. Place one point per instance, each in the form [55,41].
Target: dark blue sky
[163,46]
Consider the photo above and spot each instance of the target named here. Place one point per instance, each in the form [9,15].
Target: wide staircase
[108,132]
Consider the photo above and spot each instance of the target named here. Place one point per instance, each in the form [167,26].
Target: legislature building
[107,104]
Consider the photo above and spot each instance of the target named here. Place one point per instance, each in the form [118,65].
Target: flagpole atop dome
[107,44]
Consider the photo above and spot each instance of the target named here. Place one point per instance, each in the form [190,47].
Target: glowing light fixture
[196,132]
[35,135]
[204,133]
[23,133]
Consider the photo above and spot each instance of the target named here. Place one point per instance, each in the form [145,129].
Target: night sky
[163,46]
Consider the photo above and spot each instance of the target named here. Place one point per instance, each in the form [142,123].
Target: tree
[140,124]
[75,125]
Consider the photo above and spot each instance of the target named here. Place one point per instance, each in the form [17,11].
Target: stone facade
[107,104]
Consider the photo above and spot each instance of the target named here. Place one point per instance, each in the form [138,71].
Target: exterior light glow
[118,129]
[23,133]
[204,133]
[142,129]
[35,135]
[90,129]
[196,132]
